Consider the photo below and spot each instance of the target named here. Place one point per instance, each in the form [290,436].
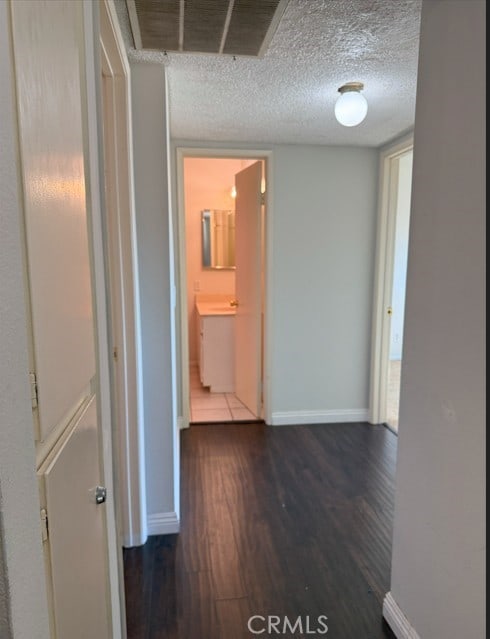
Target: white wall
[438,564]
[23,596]
[157,293]
[323,239]
[320,280]
[401,254]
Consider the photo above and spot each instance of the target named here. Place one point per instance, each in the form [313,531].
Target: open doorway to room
[389,311]
[399,279]
[222,217]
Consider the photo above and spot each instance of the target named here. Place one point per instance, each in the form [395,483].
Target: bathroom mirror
[218,239]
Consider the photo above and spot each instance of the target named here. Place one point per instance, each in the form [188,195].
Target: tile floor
[393,392]
[209,407]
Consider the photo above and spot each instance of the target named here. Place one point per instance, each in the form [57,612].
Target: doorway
[399,279]
[222,317]
[391,272]
[120,273]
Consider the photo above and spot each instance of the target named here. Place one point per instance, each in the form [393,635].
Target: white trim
[163,523]
[397,620]
[130,541]
[283,418]
[173,309]
[383,281]
[122,257]
[269,284]
[182,152]
[184,419]
[94,167]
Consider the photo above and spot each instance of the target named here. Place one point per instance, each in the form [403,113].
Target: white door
[48,41]
[78,561]
[248,288]
[51,141]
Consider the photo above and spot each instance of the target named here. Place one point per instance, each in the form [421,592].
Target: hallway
[293,521]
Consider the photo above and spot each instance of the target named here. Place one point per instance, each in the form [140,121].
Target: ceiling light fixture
[351,107]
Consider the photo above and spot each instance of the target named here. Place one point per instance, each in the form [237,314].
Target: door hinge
[34,395]
[262,198]
[44,525]
[114,353]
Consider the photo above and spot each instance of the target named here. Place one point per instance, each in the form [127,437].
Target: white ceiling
[288,96]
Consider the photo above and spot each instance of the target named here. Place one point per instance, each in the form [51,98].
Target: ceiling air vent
[230,27]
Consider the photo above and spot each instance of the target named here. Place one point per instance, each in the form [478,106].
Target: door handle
[100,494]
[234,303]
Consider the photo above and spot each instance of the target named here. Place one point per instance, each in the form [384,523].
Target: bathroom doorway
[222,268]
[389,306]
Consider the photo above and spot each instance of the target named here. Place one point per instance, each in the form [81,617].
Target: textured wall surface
[438,564]
[323,239]
[150,136]
[288,96]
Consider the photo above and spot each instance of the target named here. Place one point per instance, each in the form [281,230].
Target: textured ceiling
[288,96]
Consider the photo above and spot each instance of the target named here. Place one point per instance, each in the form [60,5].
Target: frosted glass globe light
[351,107]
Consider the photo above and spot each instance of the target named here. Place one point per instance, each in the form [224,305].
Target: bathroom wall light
[351,107]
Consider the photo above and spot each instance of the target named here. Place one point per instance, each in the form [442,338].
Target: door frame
[383,282]
[94,166]
[121,275]
[183,152]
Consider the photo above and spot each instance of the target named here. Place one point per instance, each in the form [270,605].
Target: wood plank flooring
[289,521]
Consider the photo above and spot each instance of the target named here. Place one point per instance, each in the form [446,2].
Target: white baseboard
[181,425]
[163,524]
[397,620]
[130,541]
[283,418]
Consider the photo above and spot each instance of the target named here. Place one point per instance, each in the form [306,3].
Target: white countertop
[215,308]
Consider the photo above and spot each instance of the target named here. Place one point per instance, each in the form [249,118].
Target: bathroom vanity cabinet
[216,340]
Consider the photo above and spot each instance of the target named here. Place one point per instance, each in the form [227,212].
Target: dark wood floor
[290,520]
